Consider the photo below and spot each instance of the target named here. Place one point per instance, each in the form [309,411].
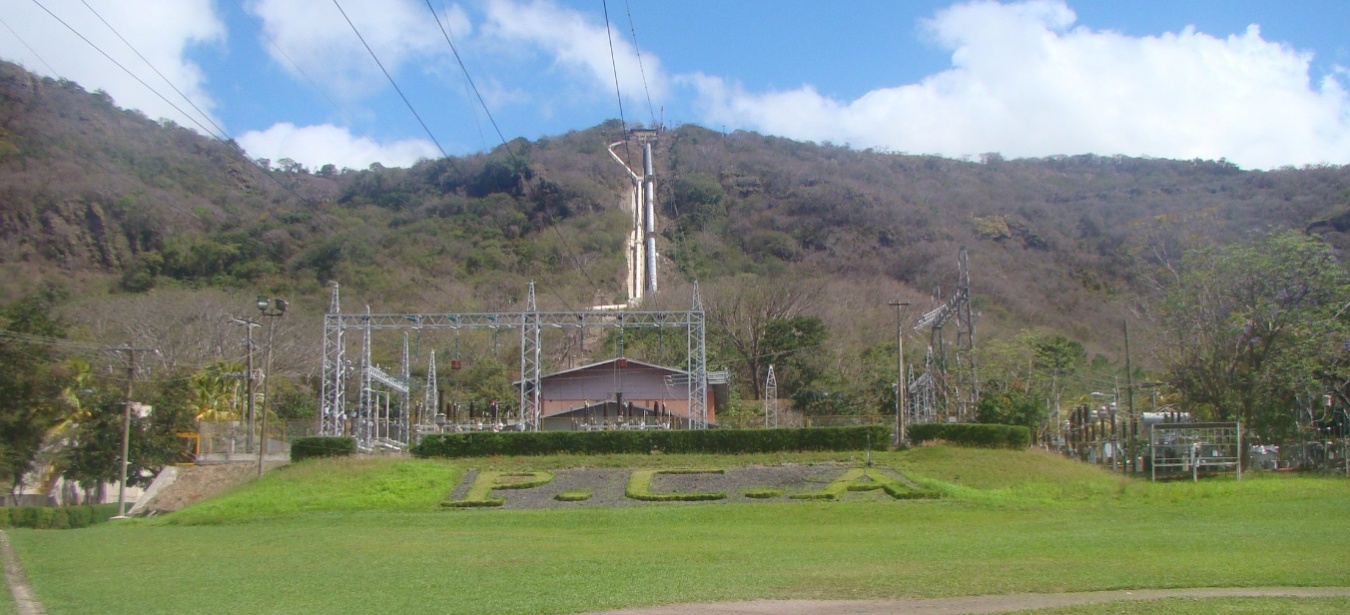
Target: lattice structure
[1195,448]
[953,382]
[375,413]
[770,400]
[332,420]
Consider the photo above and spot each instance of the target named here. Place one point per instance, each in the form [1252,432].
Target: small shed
[619,393]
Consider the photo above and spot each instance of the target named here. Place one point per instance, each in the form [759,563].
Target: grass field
[366,536]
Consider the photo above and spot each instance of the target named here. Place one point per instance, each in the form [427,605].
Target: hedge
[55,518]
[716,441]
[972,434]
[305,448]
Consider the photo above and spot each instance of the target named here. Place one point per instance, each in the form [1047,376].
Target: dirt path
[973,604]
[25,602]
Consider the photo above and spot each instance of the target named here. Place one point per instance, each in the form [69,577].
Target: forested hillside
[157,233]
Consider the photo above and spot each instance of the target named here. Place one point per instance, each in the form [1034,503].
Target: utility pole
[272,309]
[1129,396]
[126,426]
[900,392]
[248,344]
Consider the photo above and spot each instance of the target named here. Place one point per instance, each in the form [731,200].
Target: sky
[1262,84]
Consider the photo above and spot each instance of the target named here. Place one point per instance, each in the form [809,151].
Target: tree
[32,381]
[1252,326]
[742,316]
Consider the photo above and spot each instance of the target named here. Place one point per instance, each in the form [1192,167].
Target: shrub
[573,495]
[479,492]
[972,434]
[305,448]
[715,441]
[763,493]
[865,479]
[79,516]
[58,519]
[640,487]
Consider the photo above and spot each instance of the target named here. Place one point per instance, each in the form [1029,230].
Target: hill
[151,224]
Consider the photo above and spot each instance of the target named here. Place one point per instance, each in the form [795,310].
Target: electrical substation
[392,408]
[948,388]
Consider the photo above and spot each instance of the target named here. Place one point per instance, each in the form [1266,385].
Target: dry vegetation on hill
[127,212]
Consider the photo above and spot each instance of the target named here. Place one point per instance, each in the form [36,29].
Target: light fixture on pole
[900,392]
[272,308]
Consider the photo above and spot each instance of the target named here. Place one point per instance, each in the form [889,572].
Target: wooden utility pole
[900,392]
[1130,430]
[126,426]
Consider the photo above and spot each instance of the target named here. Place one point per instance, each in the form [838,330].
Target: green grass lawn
[312,538]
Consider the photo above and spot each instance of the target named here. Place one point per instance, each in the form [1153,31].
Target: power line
[152,67]
[390,78]
[302,72]
[638,50]
[30,49]
[462,67]
[127,71]
[609,36]
[223,139]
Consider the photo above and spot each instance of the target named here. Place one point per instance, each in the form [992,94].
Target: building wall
[640,384]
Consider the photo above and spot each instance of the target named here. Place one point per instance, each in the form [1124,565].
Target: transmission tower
[954,384]
[770,400]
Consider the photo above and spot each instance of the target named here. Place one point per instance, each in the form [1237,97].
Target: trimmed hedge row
[972,434]
[731,441]
[306,448]
[56,517]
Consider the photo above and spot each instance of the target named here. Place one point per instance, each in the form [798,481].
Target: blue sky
[1262,84]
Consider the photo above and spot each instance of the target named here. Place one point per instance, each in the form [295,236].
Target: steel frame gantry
[334,412]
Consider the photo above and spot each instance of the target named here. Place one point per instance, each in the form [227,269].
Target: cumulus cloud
[315,38]
[315,146]
[161,30]
[576,45]
[1025,82]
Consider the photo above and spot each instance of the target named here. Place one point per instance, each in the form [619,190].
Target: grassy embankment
[367,536]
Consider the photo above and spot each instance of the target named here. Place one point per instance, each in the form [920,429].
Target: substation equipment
[375,424]
[948,387]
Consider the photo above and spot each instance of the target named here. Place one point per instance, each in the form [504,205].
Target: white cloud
[577,45]
[161,30]
[1024,82]
[317,38]
[315,146]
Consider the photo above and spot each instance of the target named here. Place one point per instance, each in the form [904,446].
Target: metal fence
[233,440]
[1194,448]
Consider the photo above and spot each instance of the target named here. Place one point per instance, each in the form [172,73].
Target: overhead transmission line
[152,67]
[618,94]
[576,262]
[309,80]
[30,49]
[462,67]
[638,50]
[128,71]
[390,78]
[224,138]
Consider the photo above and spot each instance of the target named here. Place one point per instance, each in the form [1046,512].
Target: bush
[972,434]
[59,519]
[56,518]
[79,516]
[306,448]
[640,487]
[715,441]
